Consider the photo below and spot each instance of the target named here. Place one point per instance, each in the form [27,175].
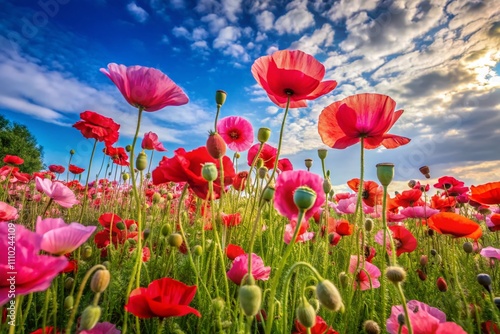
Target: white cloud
[199,34]
[181,32]
[346,8]
[226,37]
[319,41]
[137,12]
[265,20]
[231,9]
[215,22]
[272,49]
[294,21]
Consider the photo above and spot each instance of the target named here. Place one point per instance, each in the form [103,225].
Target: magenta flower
[101,328]
[57,191]
[145,87]
[490,252]
[286,184]
[240,268]
[60,238]
[237,132]
[366,274]
[151,142]
[424,320]
[418,212]
[267,154]
[348,205]
[31,272]
[302,236]
[7,212]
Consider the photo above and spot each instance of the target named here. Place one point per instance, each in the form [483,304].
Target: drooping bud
[263,135]
[121,226]
[322,153]
[250,299]
[441,284]
[496,301]
[385,173]
[395,274]
[220,97]
[401,319]
[329,296]
[304,198]
[218,304]
[90,317]
[141,163]
[485,281]
[100,281]
[421,275]
[425,171]
[468,248]
[209,171]
[344,279]
[315,303]
[107,264]
[156,198]
[371,327]
[306,314]
[308,162]
[368,224]
[433,252]
[68,283]
[175,240]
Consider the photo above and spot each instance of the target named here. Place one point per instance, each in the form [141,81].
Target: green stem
[407,314]
[85,194]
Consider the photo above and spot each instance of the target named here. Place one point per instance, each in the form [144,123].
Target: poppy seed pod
[308,163]
[268,194]
[263,172]
[71,152]
[395,274]
[425,171]
[485,281]
[468,248]
[250,299]
[100,281]
[175,240]
[371,327]
[90,317]
[304,198]
[220,97]
[263,135]
[306,314]
[322,153]
[141,163]
[209,171]
[412,183]
[125,176]
[329,296]
[166,229]
[368,225]
[385,173]
[128,148]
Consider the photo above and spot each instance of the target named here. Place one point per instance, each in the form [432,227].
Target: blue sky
[438,59]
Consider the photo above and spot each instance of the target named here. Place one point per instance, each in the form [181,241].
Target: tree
[15,139]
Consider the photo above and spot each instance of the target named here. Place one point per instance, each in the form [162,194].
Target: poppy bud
[209,171]
[344,279]
[322,152]
[385,173]
[132,228]
[166,230]
[268,194]
[496,300]
[424,260]
[433,252]
[395,274]
[128,148]
[141,163]
[485,281]
[90,317]
[308,162]
[71,152]
[468,248]
[250,299]
[412,183]
[421,275]
[68,283]
[175,240]
[304,198]
[218,304]
[306,315]
[263,135]
[430,232]
[197,250]
[125,176]
[69,301]
[315,303]
[329,296]
[441,284]
[259,163]
[100,281]
[87,252]
[437,260]
[121,226]
[327,186]
[371,327]
[146,233]
[263,172]
[368,225]
[220,97]
[107,264]
[170,196]
[425,171]
[401,319]
[156,198]
[216,146]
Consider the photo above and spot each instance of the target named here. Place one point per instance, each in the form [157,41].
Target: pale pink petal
[490,252]
[66,239]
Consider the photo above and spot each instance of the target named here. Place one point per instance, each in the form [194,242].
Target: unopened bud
[263,135]
[259,163]
[156,198]
[250,299]
[71,152]
[371,327]
[175,240]
[368,225]
[87,252]
[306,314]
[441,284]
[268,194]
[401,319]
[209,171]
[218,304]
[329,296]
[128,148]
[125,176]
[68,283]
[100,281]
[146,233]
[262,172]
[315,303]
[197,250]
[69,301]
[468,248]
[141,163]
[90,317]
[344,279]
[485,281]
[327,186]
[395,274]
[166,230]
[412,183]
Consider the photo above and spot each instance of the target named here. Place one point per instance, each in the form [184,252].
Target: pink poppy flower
[60,238]
[237,132]
[151,142]
[418,212]
[291,74]
[33,272]
[240,268]
[404,241]
[7,212]
[286,184]
[57,191]
[490,252]
[424,320]
[101,328]
[303,235]
[451,186]
[348,205]
[145,87]
[366,274]
[268,154]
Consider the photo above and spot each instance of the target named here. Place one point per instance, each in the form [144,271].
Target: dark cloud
[437,81]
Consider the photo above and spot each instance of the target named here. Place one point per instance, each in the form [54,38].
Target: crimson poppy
[404,241]
[231,220]
[233,251]
[368,116]
[57,169]
[117,154]
[443,204]
[163,298]
[267,154]
[372,193]
[14,174]
[409,198]
[455,225]
[284,165]
[75,169]
[240,180]
[488,193]
[13,160]
[186,167]
[320,327]
[98,127]
[293,75]
[451,186]
[494,222]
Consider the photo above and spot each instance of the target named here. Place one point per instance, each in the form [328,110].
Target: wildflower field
[195,245]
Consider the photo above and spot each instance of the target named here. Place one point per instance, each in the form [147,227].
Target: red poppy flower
[284,165]
[13,160]
[372,192]
[231,220]
[409,198]
[343,227]
[96,126]
[367,116]
[404,241]
[489,327]
[57,169]
[493,225]
[320,327]
[451,186]
[75,169]
[267,154]
[163,298]
[240,180]
[291,74]
[186,167]
[488,193]
[443,204]
[454,224]
[151,142]
[117,154]
[48,330]
[145,87]
[233,251]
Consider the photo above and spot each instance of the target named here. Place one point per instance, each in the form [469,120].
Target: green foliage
[15,139]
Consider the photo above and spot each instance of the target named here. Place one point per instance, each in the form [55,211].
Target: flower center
[288,91]
[365,194]
[397,243]
[234,135]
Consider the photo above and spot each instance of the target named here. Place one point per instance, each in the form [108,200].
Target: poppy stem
[85,195]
